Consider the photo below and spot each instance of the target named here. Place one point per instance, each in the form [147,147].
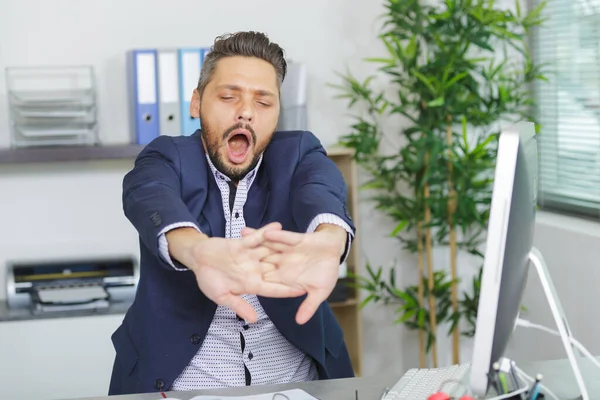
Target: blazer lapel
[213,208]
[257,200]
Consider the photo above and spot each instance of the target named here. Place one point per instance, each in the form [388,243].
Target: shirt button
[245,327]
[195,338]
[250,356]
[237,214]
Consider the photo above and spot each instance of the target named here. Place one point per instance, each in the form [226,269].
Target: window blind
[568,106]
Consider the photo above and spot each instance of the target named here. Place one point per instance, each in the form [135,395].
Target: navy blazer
[170,182]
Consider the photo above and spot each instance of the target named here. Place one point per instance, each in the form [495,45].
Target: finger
[284,237]
[262,251]
[266,267]
[275,276]
[277,290]
[275,247]
[272,226]
[273,258]
[247,231]
[256,237]
[309,306]
[240,307]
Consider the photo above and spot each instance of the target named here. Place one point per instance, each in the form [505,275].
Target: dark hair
[245,44]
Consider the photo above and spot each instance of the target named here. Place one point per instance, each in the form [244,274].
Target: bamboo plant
[455,71]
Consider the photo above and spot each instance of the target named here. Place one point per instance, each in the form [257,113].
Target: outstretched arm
[152,200]
[319,191]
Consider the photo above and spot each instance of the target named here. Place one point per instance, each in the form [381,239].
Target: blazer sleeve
[317,186]
[151,193]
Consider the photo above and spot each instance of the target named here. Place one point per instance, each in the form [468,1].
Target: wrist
[183,245]
[337,232]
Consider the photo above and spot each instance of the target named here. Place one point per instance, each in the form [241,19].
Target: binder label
[146,76]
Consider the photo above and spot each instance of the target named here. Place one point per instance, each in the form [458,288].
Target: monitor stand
[559,317]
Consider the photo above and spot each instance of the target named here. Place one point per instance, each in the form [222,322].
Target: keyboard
[419,384]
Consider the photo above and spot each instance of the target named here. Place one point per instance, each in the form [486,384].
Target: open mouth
[238,146]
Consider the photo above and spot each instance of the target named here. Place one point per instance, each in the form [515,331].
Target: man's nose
[245,112]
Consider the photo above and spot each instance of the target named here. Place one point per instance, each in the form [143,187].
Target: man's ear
[195,104]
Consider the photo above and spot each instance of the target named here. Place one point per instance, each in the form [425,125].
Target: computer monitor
[509,242]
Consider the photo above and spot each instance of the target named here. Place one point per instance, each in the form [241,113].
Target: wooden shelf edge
[30,155]
[337,151]
[340,304]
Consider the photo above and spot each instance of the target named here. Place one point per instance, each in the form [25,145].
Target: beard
[214,141]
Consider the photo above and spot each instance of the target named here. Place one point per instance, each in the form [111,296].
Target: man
[242,231]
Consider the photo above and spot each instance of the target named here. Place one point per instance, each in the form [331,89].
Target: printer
[68,285]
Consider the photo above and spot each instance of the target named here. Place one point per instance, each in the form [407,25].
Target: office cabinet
[57,358]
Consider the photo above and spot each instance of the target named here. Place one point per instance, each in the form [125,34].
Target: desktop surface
[557,376]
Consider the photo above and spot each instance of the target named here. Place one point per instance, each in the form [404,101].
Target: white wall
[74,209]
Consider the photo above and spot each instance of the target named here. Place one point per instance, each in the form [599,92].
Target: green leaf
[456,78]
[379,60]
[436,103]
[366,301]
[423,79]
[407,315]
[421,318]
[399,228]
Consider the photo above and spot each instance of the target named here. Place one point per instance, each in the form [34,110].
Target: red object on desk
[439,396]
[466,398]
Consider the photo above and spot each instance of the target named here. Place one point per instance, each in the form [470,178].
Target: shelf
[29,155]
[338,151]
[340,304]
[68,153]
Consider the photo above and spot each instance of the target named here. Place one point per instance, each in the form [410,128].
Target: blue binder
[143,95]
[190,64]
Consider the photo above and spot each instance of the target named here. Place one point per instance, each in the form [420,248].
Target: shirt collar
[248,179]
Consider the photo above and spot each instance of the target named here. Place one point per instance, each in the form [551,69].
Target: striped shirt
[235,352]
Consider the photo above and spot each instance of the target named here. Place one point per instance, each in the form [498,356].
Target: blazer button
[159,384]
[195,338]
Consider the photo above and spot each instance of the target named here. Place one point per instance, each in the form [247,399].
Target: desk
[557,377]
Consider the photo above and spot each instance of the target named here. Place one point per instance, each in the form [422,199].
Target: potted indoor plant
[456,71]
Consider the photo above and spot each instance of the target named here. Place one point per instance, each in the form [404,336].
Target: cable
[528,378]
[527,324]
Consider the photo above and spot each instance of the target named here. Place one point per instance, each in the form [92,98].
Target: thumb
[309,306]
[240,307]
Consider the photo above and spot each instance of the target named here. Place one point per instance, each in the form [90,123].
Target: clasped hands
[270,262]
